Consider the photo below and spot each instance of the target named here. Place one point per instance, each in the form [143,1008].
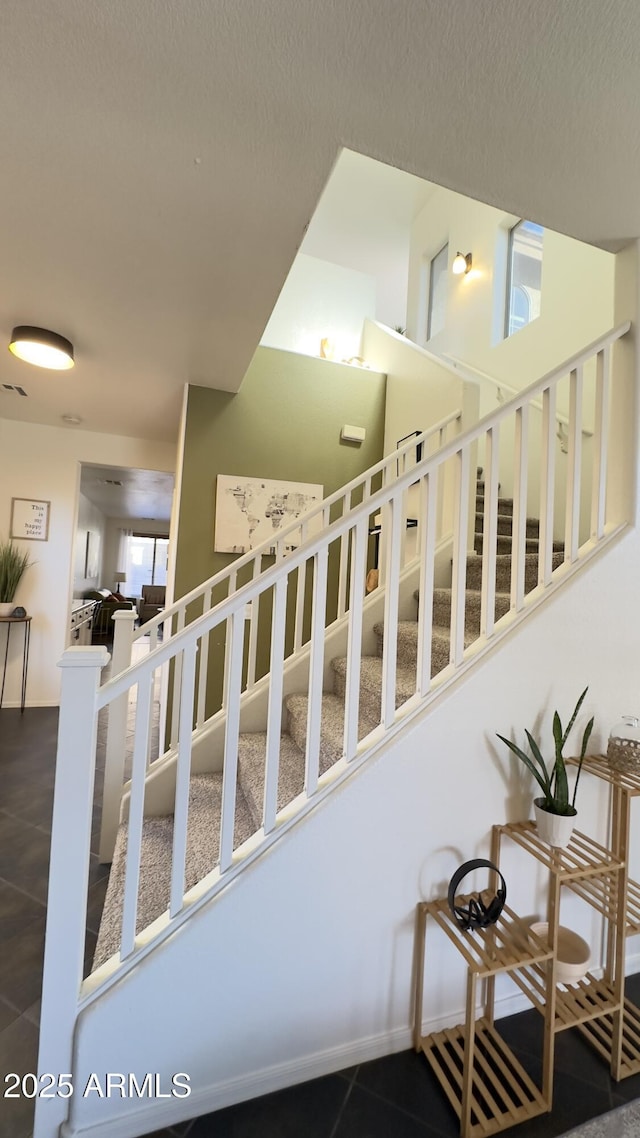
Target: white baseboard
[157,1114]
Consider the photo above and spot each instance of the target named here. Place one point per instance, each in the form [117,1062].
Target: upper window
[437,292]
[524,275]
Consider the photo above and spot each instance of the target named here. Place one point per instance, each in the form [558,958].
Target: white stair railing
[268,592]
[247,568]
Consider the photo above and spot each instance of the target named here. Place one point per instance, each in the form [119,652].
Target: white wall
[261,990]
[90,518]
[44,462]
[577,292]
[321,300]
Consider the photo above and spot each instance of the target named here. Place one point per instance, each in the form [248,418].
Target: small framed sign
[30,519]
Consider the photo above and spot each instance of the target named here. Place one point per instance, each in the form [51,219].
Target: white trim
[329,1061]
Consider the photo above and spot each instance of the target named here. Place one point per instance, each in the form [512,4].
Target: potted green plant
[555,812]
[13,564]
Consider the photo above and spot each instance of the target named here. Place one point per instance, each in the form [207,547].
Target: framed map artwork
[250,511]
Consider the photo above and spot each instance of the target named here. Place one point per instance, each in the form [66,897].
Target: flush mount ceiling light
[461,263]
[40,347]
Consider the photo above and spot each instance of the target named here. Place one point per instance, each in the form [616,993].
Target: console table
[26,622]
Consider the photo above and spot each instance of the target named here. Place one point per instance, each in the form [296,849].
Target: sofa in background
[102,622]
[152,602]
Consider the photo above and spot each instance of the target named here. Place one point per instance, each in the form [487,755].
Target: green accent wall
[284,422]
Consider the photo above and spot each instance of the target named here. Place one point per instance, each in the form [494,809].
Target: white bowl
[573,955]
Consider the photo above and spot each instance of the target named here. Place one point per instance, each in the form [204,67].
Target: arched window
[524,276]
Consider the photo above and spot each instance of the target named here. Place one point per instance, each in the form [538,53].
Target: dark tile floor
[394,1097]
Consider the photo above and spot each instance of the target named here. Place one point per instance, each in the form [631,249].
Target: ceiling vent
[112,482]
[14,387]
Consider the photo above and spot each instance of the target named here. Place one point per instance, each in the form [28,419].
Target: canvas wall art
[250,511]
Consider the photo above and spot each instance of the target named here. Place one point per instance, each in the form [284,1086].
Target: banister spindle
[203,664]
[360,537]
[600,443]
[233,670]
[489,533]
[427,545]
[547,484]
[136,817]
[519,522]
[183,774]
[316,670]
[274,713]
[574,463]
[459,569]
[390,641]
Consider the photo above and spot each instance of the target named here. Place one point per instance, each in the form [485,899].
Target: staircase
[345,675]
[205,791]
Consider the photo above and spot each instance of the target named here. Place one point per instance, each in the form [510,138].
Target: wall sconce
[461,264]
[40,347]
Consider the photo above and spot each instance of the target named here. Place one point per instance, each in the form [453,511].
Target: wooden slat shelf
[600,1035]
[502,947]
[483,1081]
[583,857]
[598,765]
[502,1093]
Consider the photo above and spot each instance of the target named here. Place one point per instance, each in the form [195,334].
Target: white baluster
[519,521]
[459,568]
[123,621]
[68,871]
[301,586]
[344,565]
[183,774]
[574,462]
[427,535]
[547,483]
[600,444]
[177,683]
[253,628]
[490,533]
[390,641]
[316,670]
[233,670]
[354,637]
[136,817]
[203,665]
[274,714]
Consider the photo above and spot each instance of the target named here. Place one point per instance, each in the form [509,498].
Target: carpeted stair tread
[504,543]
[473,605]
[505,505]
[505,525]
[252,749]
[503,570]
[331,726]
[371,681]
[203,841]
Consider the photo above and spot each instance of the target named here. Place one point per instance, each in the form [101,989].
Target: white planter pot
[7,607]
[555,829]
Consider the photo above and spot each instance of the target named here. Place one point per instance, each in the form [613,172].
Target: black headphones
[476,915]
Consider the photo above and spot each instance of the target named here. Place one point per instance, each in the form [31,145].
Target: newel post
[123,621]
[68,872]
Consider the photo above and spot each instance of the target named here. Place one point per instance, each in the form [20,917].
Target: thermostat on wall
[353,434]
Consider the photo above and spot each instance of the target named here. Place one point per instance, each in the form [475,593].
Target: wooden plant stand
[481,1077]
[616,1036]
[484,1082]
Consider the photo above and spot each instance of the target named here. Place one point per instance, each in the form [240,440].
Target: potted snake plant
[555,811]
[13,565]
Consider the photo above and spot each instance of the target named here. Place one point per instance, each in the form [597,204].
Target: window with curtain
[146,562]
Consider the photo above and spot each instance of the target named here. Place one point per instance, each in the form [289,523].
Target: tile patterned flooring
[394,1097]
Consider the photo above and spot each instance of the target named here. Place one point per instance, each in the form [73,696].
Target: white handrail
[320,510]
[362,732]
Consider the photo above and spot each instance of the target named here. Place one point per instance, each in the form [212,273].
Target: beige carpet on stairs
[203,835]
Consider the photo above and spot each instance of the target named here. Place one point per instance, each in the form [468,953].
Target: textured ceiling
[161,161]
[128,494]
